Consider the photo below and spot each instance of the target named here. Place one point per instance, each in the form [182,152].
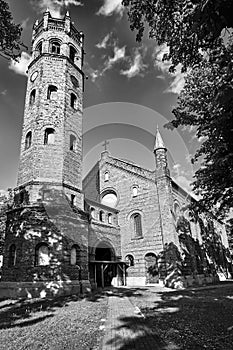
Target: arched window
[176,210]
[55,47]
[39,48]
[73,143]
[49,136]
[101,215]
[109,198]
[106,176]
[72,53]
[32,96]
[28,140]
[74,255]
[135,191]
[110,218]
[42,255]
[72,199]
[73,101]
[129,259]
[93,213]
[12,255]
[52,92]
[137,224]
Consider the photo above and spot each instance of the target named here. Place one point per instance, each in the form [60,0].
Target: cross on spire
[105,145]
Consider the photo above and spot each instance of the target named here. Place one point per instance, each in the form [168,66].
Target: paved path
[126,327]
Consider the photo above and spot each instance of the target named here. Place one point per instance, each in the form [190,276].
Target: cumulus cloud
[111,7]
[119,54]
[103,43]
[3,92]
[55,6]
[21,65]
[177,78]
[136,67]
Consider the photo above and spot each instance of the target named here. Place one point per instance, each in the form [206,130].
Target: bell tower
[51,146]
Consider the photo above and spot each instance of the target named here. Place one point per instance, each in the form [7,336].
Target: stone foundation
[28,290]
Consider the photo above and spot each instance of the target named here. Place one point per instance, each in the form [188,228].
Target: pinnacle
[158,140]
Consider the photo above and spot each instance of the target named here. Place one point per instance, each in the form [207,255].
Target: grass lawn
[198,319]
[58,324]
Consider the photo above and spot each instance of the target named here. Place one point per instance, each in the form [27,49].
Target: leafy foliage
[192,30]
[206,102]
[186,26]
[10,33]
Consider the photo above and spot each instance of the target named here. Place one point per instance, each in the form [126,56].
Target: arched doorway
[151,265]
[105,264]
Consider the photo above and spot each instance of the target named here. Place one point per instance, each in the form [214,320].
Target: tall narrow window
[52,92]
[72,199]
[55,47]
[12,255]
[135,191]
[101,215]
[74,255]
[137,224]
[49,136]
[28,140]
[42,255]
[110,218]
[73,101]
[93,213]
[39,48]
[73,143]
[32,96]
[106,176]
[72,53]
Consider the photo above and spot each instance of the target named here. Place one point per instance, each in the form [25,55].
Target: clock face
[34,76]
[75,81]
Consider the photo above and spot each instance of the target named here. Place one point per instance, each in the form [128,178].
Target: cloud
[136,68]
[184,182]
[21,65]
[110,7]
[24,23]
[119,54]
[104,42]
[177,78]
[3,92]
[55,6]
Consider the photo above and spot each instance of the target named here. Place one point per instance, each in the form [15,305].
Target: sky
[128,90]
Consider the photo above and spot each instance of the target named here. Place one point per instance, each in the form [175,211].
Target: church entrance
[106,269]
[151,265]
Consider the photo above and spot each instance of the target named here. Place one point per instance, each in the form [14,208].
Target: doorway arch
[105,266]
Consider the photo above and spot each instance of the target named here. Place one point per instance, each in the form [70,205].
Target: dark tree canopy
[206,102]
[192,30]
[9,33]
[186,26]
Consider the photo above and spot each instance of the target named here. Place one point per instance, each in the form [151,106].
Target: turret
[160,152]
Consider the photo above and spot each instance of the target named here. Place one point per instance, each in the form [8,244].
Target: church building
[121,224]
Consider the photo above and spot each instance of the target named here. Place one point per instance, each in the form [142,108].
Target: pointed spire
[158,140]
[67,14]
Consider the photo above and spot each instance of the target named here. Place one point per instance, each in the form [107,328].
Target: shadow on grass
[192,319]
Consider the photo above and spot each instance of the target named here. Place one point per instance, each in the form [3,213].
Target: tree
[192,30]
[186,26]
[206,102]
[10,33]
